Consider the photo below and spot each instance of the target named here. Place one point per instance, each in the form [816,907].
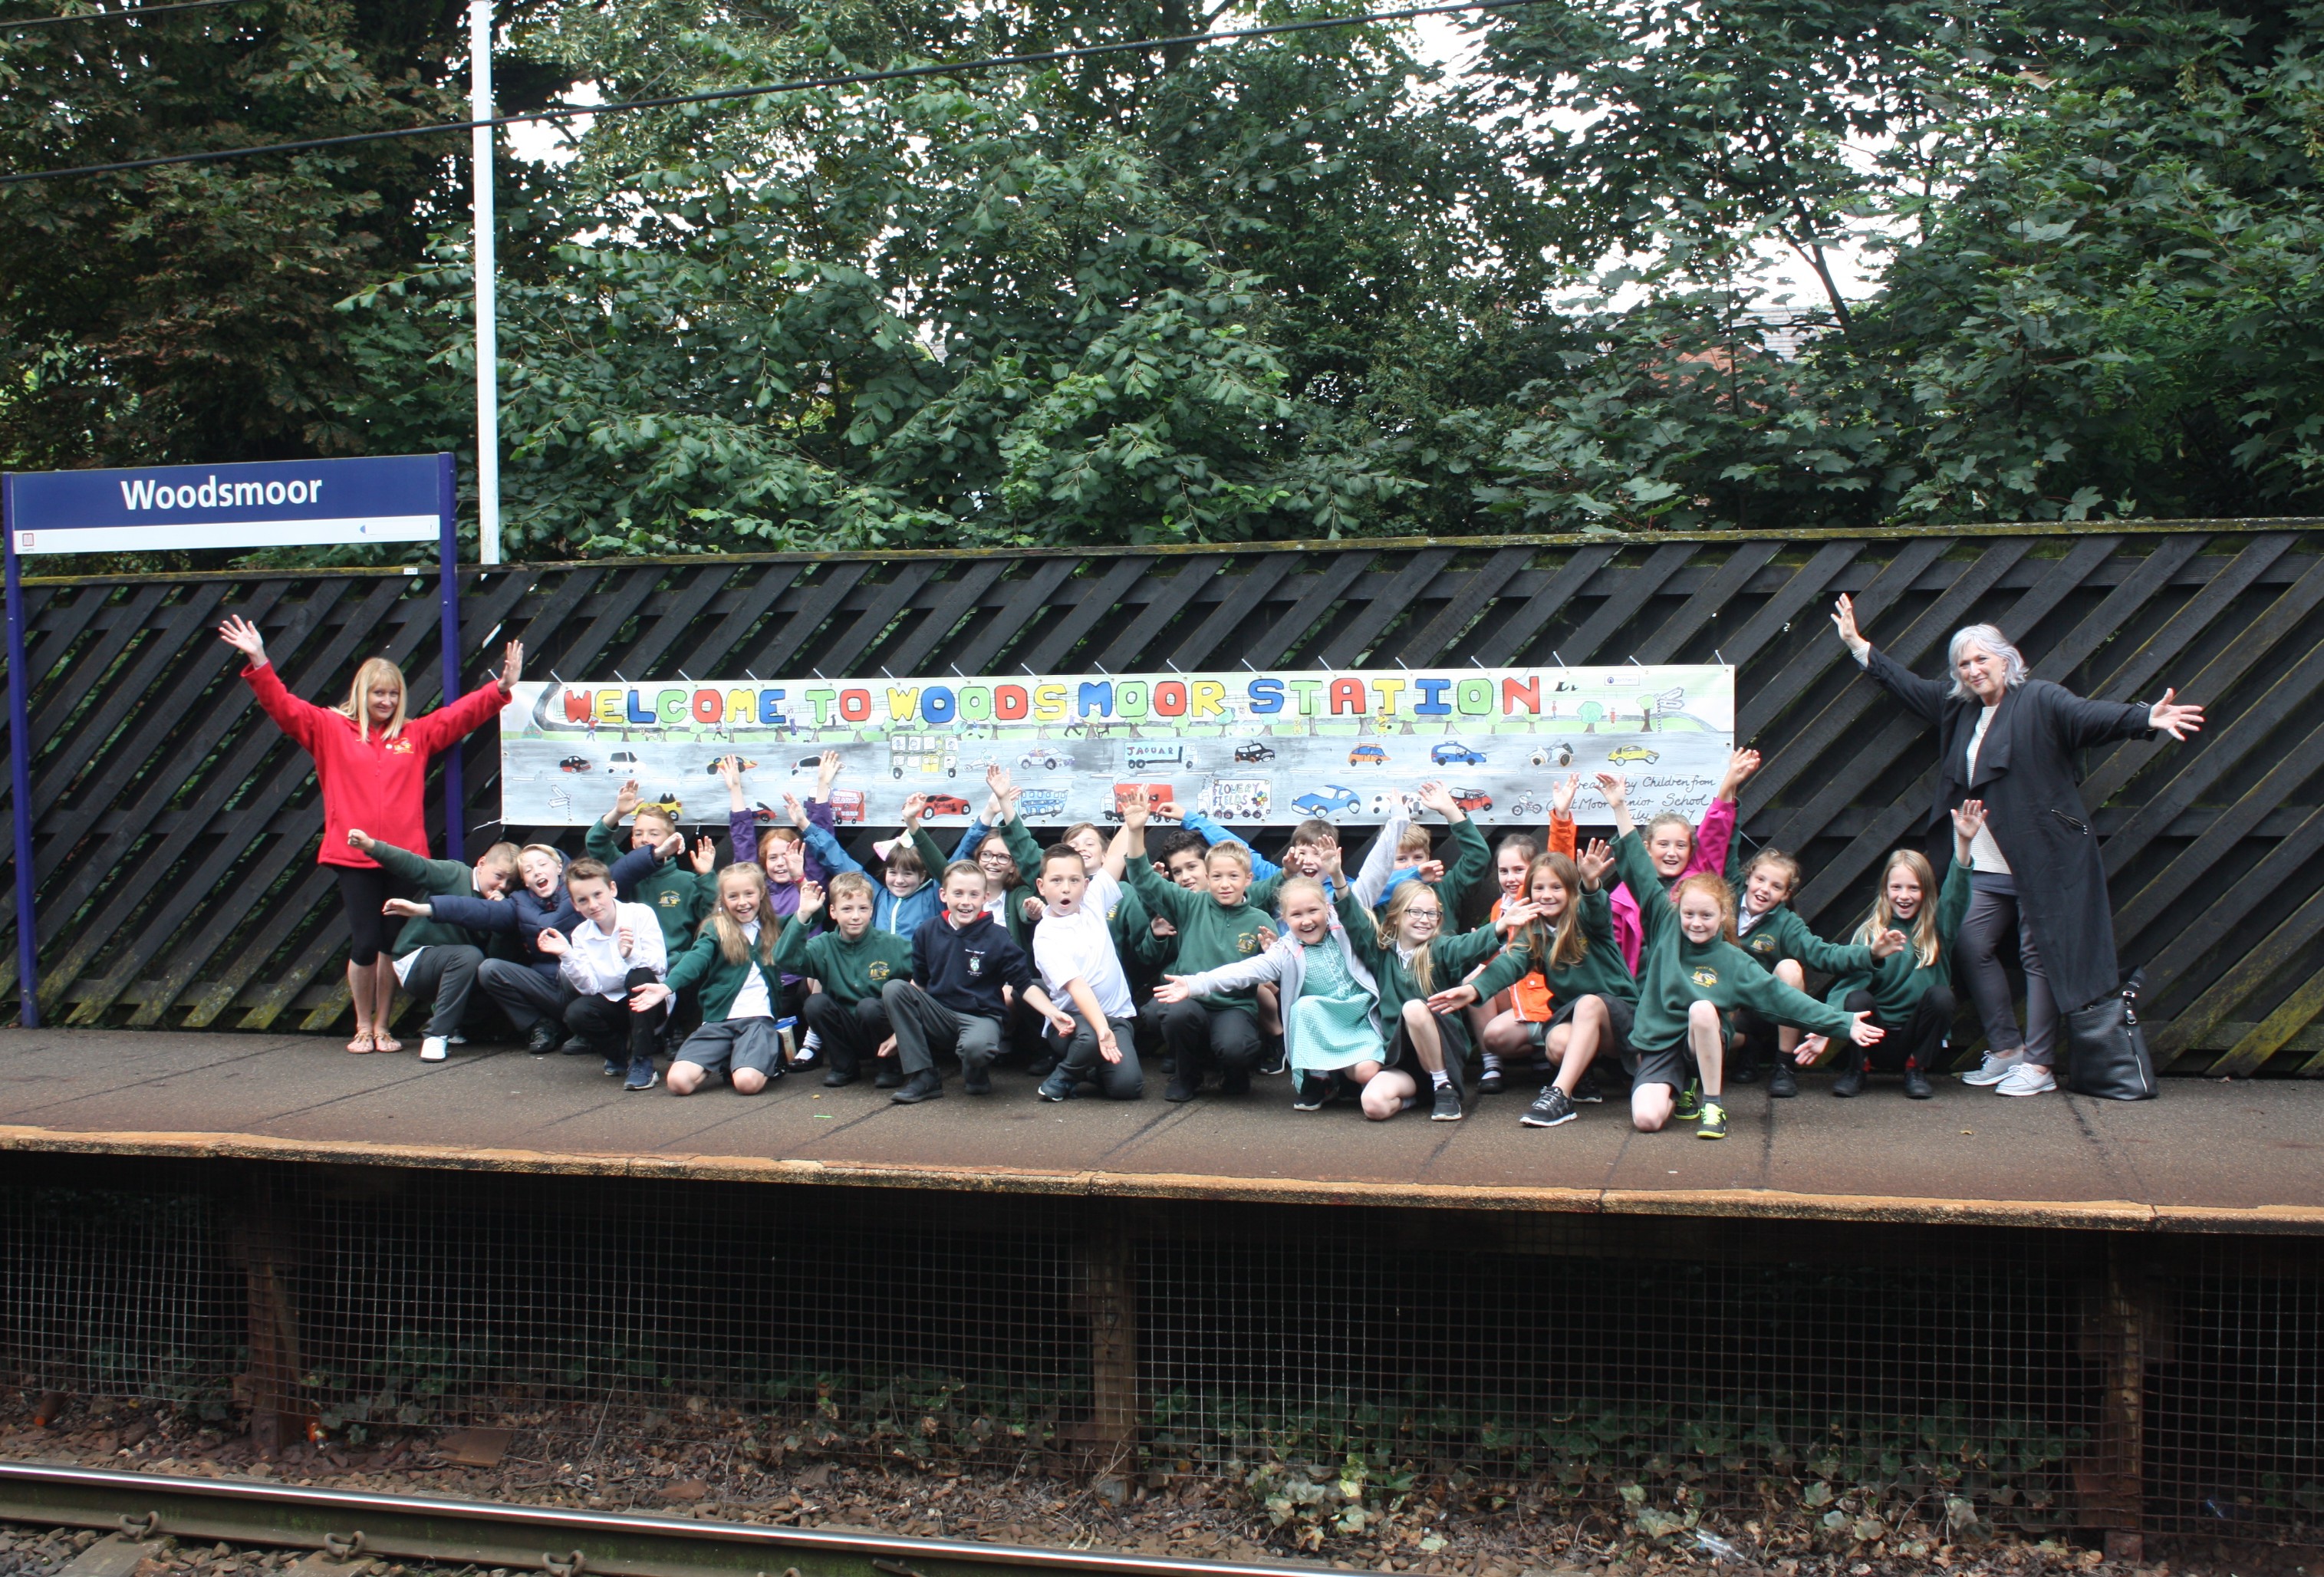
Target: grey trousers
[1985,931]
[525,994]
[924,1027]
[1116,1081]
[444,975]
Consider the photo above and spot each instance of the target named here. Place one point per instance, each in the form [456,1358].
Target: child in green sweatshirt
[731,961]
[680,891]
[854,961]
[1771,931]
[433,958]
[1691,973]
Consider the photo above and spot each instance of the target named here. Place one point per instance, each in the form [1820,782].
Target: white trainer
[2027,1078]
[433,1049]
[1995,1068]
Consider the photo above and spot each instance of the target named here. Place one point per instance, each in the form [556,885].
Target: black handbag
[2106,1049]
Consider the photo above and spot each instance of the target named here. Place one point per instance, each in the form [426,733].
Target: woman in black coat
[2009,739]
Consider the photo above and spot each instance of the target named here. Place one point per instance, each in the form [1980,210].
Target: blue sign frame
[274,503]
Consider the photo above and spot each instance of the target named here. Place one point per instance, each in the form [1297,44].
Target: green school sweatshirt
[435,879]
[1600,971]
[1898,982]
[1675,974]
[679,897]
[1449,958]
[1471,864]
[1781,934]
[849,970]
[1210,935]
[705,965]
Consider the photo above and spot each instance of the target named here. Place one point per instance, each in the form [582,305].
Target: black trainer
[1179,1090]
[1916,1084]
[1586,1092]
[1490,1082]
[979,1081]
[1782,1082]
[1311,1092]
[1851,1082]
[544,1037]
[1550,1108]
[921,1086]
[890,1075]
[1448,1105]
[1744,1073]
[574,1046]
[834,1079]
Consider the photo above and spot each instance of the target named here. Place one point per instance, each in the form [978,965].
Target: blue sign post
[275,503]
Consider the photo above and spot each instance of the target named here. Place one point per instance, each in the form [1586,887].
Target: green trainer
[1714,1121]
[1690,1103]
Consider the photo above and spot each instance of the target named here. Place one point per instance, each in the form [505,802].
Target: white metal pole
[488,395]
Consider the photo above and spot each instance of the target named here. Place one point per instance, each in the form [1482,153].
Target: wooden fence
[176,828]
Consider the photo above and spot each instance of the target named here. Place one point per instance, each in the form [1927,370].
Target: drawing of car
[1035,804]
[1047,757]
[670,805]
[621,762]
[1452,752]
[946,805]
[740,765]
[1254,752]
[763,813]
[1368,755]
[1328,800]
[576,764]
[812,763]
[1632,753]
[847,807]
[1472,799]
[1560,754]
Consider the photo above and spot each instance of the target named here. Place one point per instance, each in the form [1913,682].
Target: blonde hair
[359,694]
[1302,884]
[550,850]
[851,881]
[1782,862]
[1925,945]
[500,857]
[1717,888]
[1414,840]
[1667,819]
[732,943]
[1236,854]
[1390,924]
[657,813]
[1569,943]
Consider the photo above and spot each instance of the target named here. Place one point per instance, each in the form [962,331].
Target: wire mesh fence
[2043,1379]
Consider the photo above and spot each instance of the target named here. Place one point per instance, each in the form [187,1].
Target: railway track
[550,1540]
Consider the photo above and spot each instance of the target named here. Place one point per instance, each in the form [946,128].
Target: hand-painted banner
[1249,748]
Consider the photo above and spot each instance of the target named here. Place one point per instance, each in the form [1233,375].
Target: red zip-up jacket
[376,784]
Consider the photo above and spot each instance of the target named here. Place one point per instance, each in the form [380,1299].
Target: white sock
[1493,1062]
[1440,1078]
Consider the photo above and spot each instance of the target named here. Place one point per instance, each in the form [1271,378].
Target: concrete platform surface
[2206,1155]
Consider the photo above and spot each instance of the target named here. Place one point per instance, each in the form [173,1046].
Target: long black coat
[2034,807]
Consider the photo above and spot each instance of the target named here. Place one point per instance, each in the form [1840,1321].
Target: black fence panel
[176,828]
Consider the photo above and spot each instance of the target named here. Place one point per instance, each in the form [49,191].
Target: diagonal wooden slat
[2244,975]
[1315,601]
[2136,668]
[1016,619]
[1524,630]
[1130,649]
[752,603]
[1096,601]
[848,650]
[1345,645]
[1703,610]
[823,599]
[2267,1037]
[1806,587]
[674,623]
[1627,601]
[962,593]
[1431,646]
[1212,644]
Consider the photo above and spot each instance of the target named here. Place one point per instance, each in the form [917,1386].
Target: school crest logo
[976,957]
[398,747]
[1704,976]
[1762,945]
[1246,943]
[668,901]
[877,969]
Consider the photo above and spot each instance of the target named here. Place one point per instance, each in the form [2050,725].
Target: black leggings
[1917,1043]
[364,889]
[604,1026]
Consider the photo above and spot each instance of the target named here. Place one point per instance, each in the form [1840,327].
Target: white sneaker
[458,1039]
[433,1048]
[2027,1078]
[1995,1067]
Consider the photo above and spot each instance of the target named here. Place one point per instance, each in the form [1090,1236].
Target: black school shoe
[1851,1081]
[834,1079]
[1782,1082]
[1180,1090]
[544,1038]
[1490,1082]
[1916,1084]
[1235,1082]
[1273,1058]
[921,1086]
[979,1081]
[890,1076]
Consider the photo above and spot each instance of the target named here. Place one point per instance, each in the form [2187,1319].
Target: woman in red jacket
[372,762]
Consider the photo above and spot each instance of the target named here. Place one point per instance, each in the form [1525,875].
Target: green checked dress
[1331,1021]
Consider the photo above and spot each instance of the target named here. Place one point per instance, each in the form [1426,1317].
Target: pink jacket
[1710,840]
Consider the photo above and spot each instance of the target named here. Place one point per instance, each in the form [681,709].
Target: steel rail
[554,1540]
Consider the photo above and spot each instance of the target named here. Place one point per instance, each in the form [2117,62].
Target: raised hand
[1515,915]
[1740,765]
[916,805]
[1162,928]
[1843,619]
[1596,860]
[1560,798]
[1432,872]
[797,811]
[669,848]
[1890,942]
[359,839]
[730,771]
[1135,813]
[826,770]
[704,856]
[811,901]
[2175,720]
[511,664]
[1967,819]
[243,635]
[1439,798]
[1266,937]
[625,800]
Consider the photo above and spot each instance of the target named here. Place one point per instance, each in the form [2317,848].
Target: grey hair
[2013,661]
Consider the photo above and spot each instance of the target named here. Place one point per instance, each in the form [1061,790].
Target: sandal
[383,1041]
[363,1042]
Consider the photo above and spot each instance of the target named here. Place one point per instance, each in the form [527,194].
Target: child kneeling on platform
[1073,947]
[615,951]
[435,958]
[963,964]
[856,963]
[732,961]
